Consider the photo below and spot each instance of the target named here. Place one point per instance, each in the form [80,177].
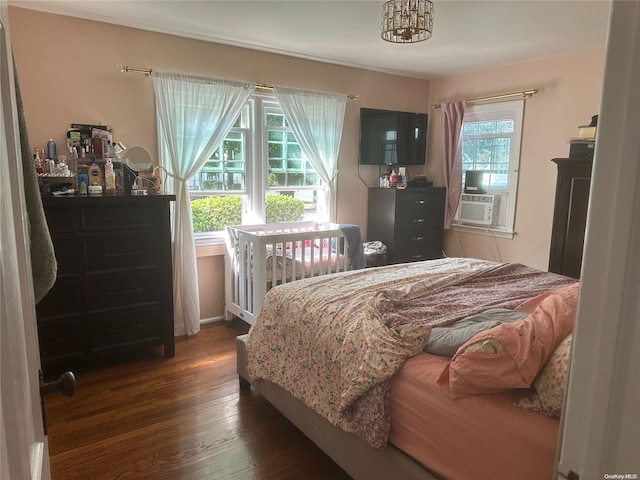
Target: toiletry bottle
[51,149]
[110,178]
[95,173]
[83,181]
[392,179]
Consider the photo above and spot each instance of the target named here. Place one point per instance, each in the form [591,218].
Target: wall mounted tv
[392,138]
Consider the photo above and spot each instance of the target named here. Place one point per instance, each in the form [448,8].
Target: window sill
[209,244]
[493,231]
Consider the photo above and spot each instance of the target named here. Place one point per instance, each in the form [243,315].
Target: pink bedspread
[334,341]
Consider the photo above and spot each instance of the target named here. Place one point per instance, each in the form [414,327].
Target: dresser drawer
[141,289]
[67,256]
[61,339]
[115,253]
[61,219]
[114,217]
[63,300]
[409,219]
[412,201]
[125,328]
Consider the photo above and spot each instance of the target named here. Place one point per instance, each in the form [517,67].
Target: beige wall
[68,75]
[572,88]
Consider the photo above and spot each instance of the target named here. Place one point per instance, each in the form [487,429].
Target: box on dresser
[114,290]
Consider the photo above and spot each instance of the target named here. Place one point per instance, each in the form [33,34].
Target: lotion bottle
[110,178]
[95,173]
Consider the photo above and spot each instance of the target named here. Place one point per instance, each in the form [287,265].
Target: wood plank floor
[177,418]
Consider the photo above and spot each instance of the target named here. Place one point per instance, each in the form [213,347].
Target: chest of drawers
[114,291]
[410,222]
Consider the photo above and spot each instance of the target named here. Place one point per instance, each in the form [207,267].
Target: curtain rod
[148,71]
[524,94]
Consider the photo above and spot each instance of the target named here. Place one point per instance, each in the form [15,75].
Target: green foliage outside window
[283,208]
[211,214]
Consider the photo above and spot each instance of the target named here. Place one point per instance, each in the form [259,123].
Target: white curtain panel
[194,114]
[316,119]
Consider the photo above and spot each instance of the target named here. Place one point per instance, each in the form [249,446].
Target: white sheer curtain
[194,114]
[451,157]
[316,119]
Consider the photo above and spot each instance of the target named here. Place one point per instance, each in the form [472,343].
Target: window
[491,143]
[258,174]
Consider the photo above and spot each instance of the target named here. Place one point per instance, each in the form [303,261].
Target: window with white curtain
[490,139]
[259,174]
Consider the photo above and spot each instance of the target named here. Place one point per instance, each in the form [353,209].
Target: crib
[259,257]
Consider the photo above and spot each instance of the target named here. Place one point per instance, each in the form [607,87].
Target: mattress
[494,440]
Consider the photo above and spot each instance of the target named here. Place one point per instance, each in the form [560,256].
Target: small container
[95,174]
[393,179]
[51,149]
[109,178]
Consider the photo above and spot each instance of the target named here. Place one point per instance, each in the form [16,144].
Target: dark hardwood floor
[177,418]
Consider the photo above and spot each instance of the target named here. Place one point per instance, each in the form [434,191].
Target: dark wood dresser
[114,289]
[570,215]
[409,222]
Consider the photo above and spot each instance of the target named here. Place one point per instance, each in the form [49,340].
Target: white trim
[601,425]
[492,231]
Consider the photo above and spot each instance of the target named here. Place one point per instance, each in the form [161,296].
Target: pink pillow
[512,354]
[550,385]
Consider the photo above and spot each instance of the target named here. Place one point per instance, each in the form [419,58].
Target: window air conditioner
[478,209]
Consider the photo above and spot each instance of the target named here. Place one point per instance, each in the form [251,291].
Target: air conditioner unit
[479,210]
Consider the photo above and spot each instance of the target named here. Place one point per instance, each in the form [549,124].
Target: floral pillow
[550,385]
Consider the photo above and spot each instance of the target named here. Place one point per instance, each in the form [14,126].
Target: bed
[343,357]
[258,257]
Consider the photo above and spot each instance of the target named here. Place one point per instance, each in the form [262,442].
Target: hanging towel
[44,267]
[356,250]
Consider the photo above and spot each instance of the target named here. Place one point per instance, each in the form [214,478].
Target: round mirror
[138,159]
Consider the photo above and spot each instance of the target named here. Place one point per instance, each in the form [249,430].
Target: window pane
[226,170]
[504,126]
[470,128]
[485,128]
[214,213]
[276,120]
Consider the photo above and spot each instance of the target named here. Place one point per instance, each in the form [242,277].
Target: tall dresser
[409,222]
[570,215]
[114,289]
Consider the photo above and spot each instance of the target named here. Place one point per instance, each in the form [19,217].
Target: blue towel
[356,250]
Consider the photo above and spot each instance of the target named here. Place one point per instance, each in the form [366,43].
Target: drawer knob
[418,220]
[420,202]
[417,256]
[417,239]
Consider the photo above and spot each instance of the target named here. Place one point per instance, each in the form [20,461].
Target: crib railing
[259,257]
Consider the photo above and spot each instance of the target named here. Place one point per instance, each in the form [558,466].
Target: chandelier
[406,21]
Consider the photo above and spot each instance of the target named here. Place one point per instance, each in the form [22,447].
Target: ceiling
[467,35]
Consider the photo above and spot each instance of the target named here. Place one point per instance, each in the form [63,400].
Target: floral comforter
[334,341]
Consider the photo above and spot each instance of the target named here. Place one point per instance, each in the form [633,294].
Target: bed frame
[320,250]
[352,454]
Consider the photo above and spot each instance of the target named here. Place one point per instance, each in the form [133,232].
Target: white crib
[258,257]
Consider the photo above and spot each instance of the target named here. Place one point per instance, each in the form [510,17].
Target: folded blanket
[356,250]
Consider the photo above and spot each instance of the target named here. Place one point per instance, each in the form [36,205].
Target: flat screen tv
[392,138]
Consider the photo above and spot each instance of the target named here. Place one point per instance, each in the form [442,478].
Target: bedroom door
[601,427]
[24,452]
